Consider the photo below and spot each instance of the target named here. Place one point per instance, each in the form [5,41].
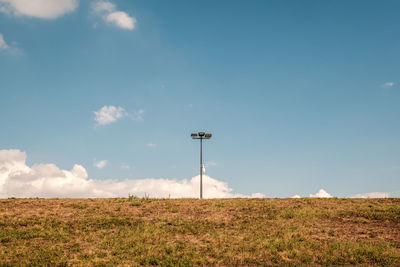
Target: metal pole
[201,168]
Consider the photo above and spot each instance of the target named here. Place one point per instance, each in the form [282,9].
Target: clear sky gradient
[299,95]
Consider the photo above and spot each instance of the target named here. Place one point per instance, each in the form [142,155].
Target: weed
[132,198]
[79,206]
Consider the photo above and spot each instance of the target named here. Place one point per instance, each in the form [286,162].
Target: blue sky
[299,95]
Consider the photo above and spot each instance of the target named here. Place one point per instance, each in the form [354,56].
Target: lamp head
[201,134]
[193,135]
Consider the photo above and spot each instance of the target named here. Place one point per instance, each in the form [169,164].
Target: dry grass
[187,232]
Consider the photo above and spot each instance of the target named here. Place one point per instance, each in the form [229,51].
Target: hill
[143,231]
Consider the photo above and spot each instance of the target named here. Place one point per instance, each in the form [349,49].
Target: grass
[190,232]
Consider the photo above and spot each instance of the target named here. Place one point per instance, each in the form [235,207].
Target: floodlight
[201,136]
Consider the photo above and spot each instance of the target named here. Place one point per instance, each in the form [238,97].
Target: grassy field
[169,232]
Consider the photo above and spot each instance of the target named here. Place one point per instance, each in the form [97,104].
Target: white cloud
[122,20]
[257,195]
[110,14]
[211,164]
[125,166]
[207,165]
[203,168]
[47,180]
[388,84]
[3,44]
[102,6]
[44,9]
[373,195]
[151,145]
[321,193]
[10,49]
[100,164]
[138,115]
[109,114]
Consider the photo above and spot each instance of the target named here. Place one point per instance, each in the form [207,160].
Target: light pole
[201,136]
